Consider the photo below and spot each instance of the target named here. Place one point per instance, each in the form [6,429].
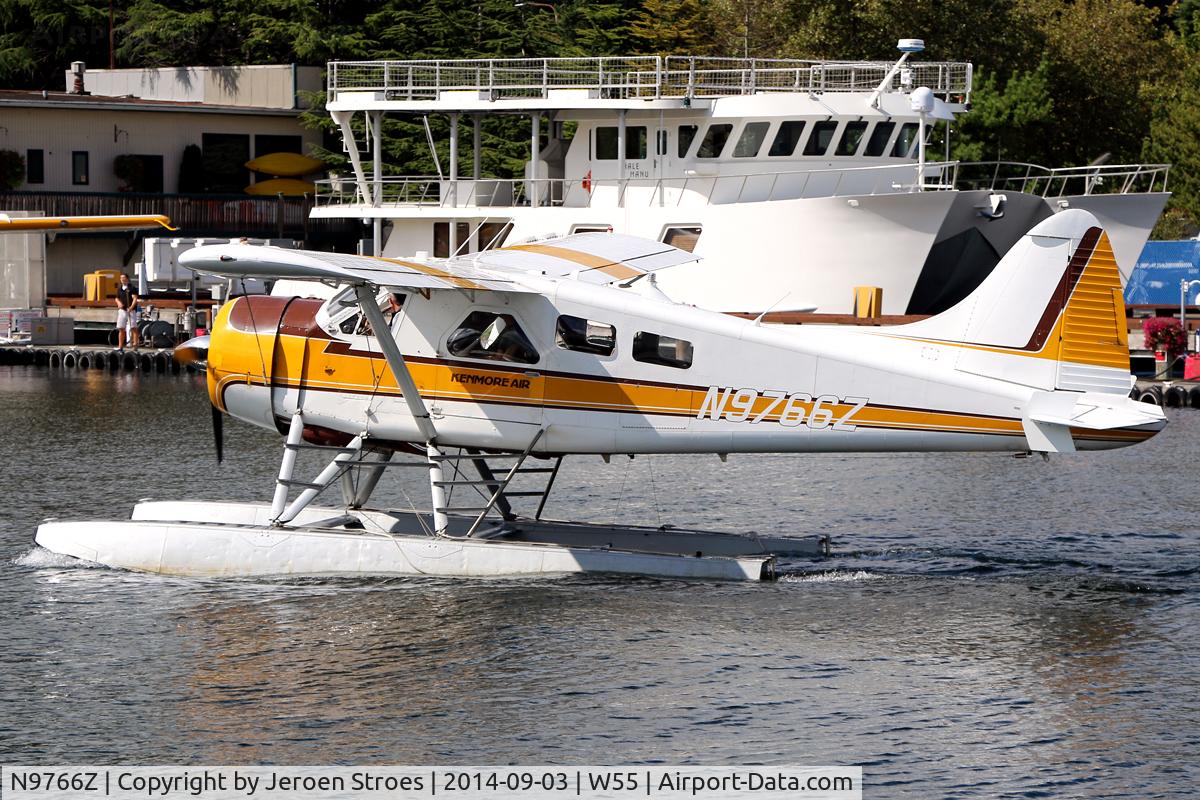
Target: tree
[672,27]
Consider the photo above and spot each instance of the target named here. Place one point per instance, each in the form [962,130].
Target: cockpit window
[654,348]
[585,335]
[496,337]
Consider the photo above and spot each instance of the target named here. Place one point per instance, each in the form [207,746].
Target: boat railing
[617,77]
[440,192]
[1015,176]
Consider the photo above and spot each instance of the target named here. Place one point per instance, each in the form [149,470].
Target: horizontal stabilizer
[1050,417]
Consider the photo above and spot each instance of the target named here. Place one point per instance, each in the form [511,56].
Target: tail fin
[1051,315]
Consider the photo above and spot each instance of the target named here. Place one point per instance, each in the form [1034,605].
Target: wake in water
[832,576]
[41,558]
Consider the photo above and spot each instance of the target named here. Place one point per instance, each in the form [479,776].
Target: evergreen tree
[672,27]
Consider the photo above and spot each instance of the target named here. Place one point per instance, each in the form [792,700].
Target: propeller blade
[193,351]
[218,423]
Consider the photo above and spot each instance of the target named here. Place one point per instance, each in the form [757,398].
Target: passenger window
[683,238]
[750,142]
[585,336]
[497,337]
[787,138]
[714,141]
[877,144]
[852,136]
[653,348]
[820,138]
[606,144]
[904,142]
[686,134]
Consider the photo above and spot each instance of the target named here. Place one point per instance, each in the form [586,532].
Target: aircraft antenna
[759,318]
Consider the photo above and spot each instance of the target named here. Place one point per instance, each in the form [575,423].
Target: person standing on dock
[127,313]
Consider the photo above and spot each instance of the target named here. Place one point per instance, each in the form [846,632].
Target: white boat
[803,179]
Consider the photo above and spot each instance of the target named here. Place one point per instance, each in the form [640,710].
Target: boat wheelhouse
[795,181]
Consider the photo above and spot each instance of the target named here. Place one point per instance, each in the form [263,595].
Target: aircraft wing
[256,261]
[590,257]
[121,222]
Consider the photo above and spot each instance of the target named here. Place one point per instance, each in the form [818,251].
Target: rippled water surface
[986,627]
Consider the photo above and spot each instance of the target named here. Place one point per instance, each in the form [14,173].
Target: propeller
[193,351]
[218,423]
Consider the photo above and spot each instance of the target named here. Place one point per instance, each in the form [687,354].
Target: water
[987,627]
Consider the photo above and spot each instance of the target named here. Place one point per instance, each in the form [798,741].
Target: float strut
[287,465]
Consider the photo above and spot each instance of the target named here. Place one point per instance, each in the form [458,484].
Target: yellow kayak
[286,165]
[110,222]
[288,187]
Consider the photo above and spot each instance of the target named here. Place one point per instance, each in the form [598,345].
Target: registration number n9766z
[823,412]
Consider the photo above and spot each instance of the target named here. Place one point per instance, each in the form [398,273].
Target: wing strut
[412,397]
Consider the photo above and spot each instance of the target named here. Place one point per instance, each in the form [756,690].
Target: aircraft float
[506,361]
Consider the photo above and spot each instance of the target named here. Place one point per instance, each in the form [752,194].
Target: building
[114,142]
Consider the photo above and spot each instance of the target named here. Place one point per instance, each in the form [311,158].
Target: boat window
[493,234]
[714,141]
[496,337]
[661,148]
[820,138]
[686,134]
[852,136]
[904,142]
[441,239]
[750,142]
[635,142]
[591,229]
[877,144]
[654,348]
[790,132]
[606,144]
[683,238]
[585,335]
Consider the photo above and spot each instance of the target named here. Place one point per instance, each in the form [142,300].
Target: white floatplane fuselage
[558,348]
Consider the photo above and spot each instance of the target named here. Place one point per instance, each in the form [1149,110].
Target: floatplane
[509,360]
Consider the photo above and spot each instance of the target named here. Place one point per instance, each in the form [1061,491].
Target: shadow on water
[985,627]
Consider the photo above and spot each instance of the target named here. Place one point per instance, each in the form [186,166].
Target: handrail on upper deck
[646,77]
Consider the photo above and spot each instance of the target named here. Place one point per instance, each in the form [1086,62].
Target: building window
[683,238]
[225,157]
[585,335]
[714,141]
[750,142]
[790,133]
[877,144]
[653,348]
[267,143]
[852,136]
[35,166]
[820,138]
[79,167]
[496,337]
[686,134]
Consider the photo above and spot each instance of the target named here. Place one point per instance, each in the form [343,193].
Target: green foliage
[12,169]
[671,27]
[1007,122]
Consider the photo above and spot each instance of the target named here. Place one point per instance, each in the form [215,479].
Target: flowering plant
[1161,333]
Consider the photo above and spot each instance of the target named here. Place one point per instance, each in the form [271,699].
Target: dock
[92,357]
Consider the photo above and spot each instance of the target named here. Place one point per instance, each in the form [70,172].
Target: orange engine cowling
[249,359]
